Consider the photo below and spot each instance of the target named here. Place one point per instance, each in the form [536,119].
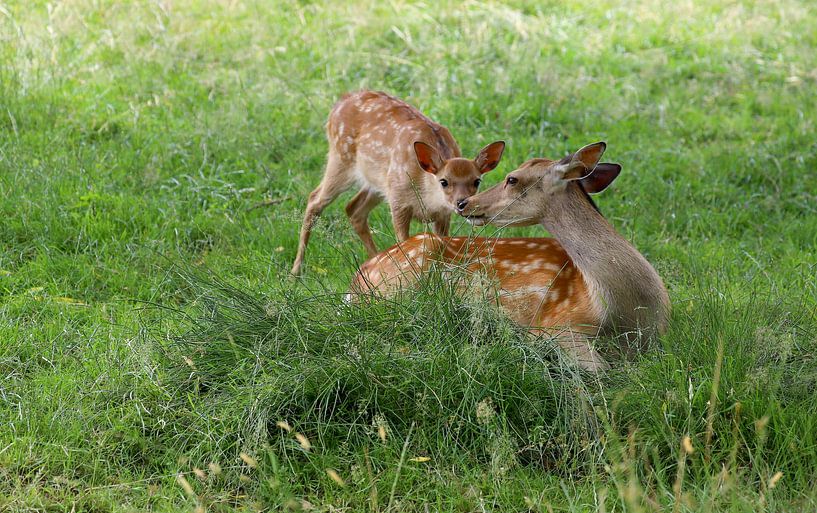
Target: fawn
[585,281]
[396,153]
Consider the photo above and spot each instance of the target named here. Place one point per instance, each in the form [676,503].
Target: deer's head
[522,198]
[459,178]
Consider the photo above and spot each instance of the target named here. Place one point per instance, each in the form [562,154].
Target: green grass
[147,327]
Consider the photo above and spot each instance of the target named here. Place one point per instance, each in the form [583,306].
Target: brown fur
[372,138]
[585,281]
[512,264]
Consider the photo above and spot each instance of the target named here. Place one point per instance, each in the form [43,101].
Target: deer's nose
[461,204]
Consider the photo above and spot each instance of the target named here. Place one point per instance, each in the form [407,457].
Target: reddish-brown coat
[534,279]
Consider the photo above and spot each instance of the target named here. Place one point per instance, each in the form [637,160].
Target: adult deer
[585,281]
[394,152]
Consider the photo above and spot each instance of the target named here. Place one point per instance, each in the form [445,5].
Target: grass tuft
[476,388]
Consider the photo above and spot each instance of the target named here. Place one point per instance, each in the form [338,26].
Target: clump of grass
[475,387]
[325,390]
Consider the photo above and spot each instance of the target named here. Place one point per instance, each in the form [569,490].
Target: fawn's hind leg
[358,211]
[337,179]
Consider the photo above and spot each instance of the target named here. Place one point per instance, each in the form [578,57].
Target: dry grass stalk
[713,399]
[677,487]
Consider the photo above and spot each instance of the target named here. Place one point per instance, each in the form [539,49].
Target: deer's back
[378,125]
[534,279]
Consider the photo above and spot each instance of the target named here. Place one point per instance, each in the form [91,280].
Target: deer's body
[534,279]
[395,153]
[585,281]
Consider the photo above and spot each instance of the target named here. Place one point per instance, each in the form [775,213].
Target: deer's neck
[627,289]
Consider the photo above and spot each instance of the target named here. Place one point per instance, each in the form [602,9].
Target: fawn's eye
[512,180]
[477,182]
[444,183]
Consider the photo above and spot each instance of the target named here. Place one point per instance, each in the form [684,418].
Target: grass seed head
[760,424]
[199,473]
[185,484]
[214,467]
[284,425]
[304,441]
[335,477]
[382,426]
[775,478]
[249,460]
[485,411]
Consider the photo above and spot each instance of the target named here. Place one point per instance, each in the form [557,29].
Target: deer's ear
[488,157]
[601,177]
[584,160]
[427,157]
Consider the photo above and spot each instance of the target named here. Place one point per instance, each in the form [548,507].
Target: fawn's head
[459,178]
[522,198]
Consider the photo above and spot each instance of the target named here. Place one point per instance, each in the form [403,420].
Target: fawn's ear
[602,176]
[581,163]
[427,157]
[488,157]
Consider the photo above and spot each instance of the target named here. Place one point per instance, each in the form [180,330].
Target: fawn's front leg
[401,218]
[442,225]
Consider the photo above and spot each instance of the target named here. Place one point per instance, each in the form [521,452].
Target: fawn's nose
[461,204]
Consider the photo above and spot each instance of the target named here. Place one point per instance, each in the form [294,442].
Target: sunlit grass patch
[131,131]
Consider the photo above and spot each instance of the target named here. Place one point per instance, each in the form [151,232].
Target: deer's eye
[444,183]
[477,182]
[512,180]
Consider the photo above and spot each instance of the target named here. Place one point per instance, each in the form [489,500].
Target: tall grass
[451,382]
[468,380]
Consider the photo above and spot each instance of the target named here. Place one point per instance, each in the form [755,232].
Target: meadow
[155,158]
